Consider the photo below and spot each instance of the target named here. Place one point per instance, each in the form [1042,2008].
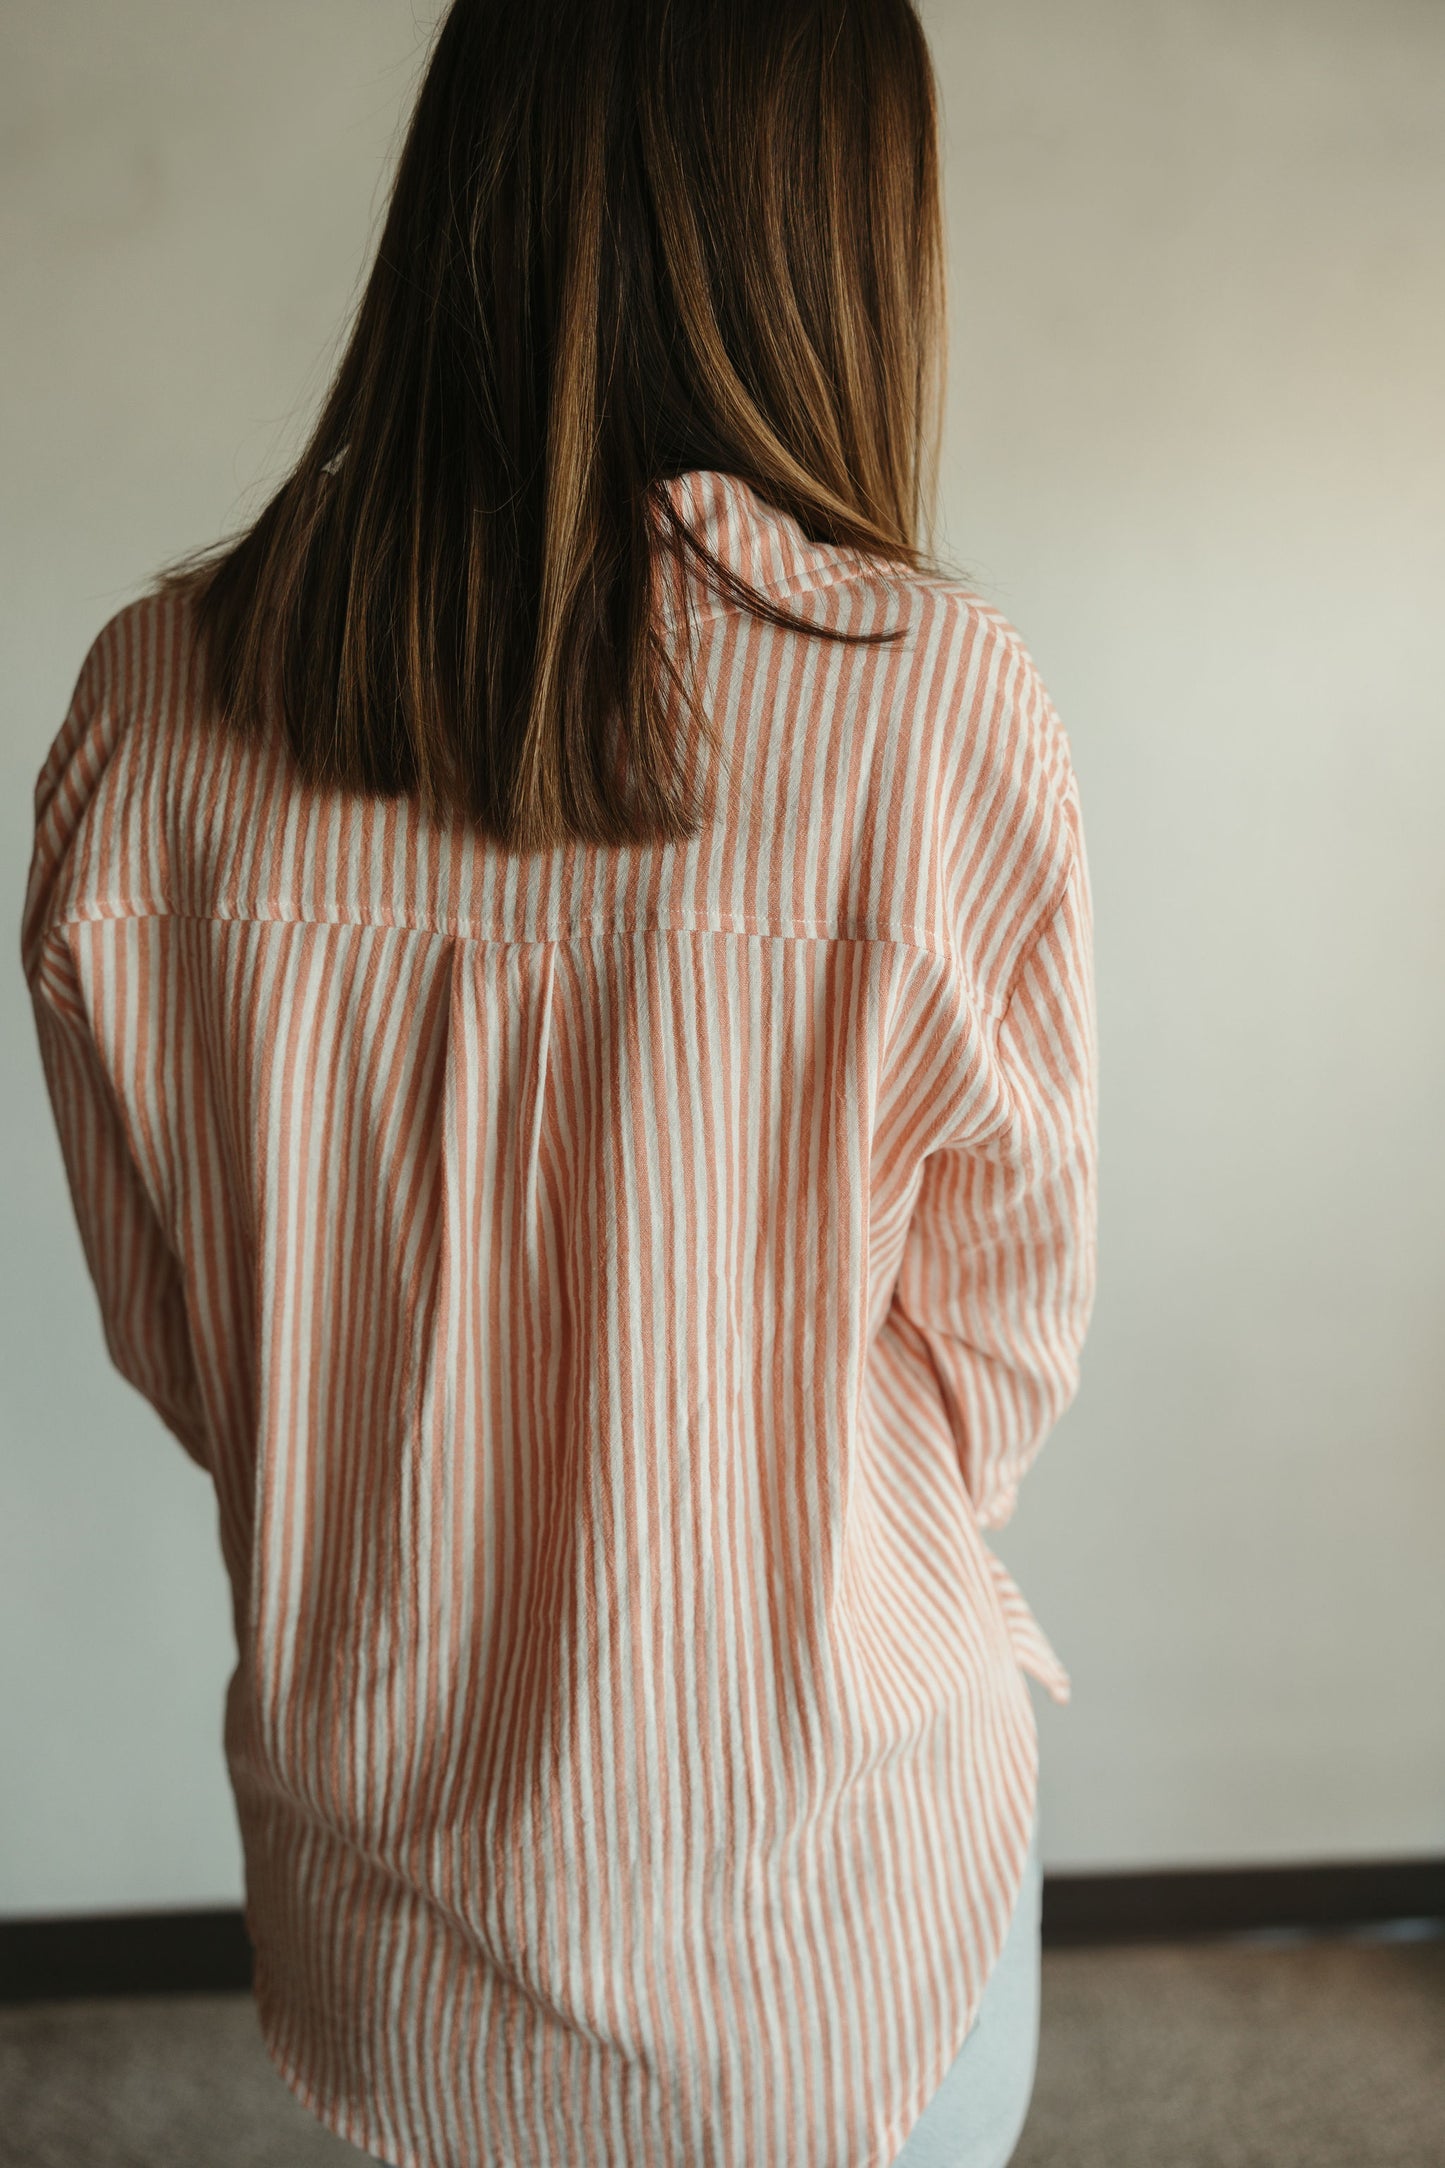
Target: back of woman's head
[627,239]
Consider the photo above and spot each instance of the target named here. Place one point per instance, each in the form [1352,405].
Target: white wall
[1196,452]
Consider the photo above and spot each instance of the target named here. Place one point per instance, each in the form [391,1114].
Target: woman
[562,962]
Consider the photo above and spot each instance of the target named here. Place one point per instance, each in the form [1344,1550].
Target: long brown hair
[627,239]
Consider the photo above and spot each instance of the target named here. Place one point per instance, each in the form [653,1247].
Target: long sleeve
[998,1269]
[135,1272]
[136,1275]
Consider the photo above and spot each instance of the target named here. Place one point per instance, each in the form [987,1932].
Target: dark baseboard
[1184,1904]
[124,1953]
[174,1953]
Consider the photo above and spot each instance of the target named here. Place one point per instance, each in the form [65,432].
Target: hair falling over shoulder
[626,239]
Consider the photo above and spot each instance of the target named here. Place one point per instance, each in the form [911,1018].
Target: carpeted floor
[1275,2054]
[1317,2054]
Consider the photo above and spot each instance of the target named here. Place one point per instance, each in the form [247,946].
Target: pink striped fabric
[611,1292]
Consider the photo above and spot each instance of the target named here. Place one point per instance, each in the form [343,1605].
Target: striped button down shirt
[612,1292]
